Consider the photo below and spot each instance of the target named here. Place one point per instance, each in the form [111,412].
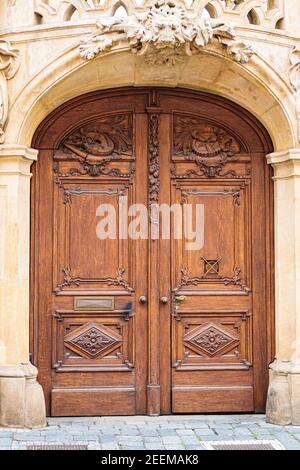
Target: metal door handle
[177,300]
[164,300]
[143,299]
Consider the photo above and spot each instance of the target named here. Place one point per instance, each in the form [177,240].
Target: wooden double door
[127,320]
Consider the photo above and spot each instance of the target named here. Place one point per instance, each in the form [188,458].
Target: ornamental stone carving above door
[163,32]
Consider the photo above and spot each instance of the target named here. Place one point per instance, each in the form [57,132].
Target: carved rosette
[9,65]
[164,32]
[210,339]
[93,340]
[209,146]
[96,145]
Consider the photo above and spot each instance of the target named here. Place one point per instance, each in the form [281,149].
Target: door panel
[215,302]
[89,285]
[122,326]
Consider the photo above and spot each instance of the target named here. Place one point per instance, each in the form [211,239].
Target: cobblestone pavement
[151,433]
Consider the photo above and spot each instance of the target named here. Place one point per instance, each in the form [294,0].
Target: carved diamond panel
[92,340]
[210,339]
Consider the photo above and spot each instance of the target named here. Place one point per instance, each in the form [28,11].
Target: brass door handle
[164,300]
[143,299]
[177,300]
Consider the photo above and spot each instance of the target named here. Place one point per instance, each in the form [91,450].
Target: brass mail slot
[94,303]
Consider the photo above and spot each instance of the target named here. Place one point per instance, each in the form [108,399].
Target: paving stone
[153,439]
[199,425]
[214,438]
[6,433]
[89,437]
[199,447]
[243,432]
[5,442]
[129,432]
[289,442]
[204,432]
[270,426]
[174,447]
[129,439]
[185,432]
[110,446]
[222,427]
[109,438]
[148,432]
[75,428]
[167,432]
[175,425]
[190,440]
[65,438]
[171,440]
[293,429]
[154,446]
[30,439]
[229,434]
[27,437]
[295,434]
[136,447]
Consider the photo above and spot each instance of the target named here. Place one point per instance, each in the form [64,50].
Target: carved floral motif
[93,340]
[163,33]
[68,280]
[9,65]
[235,280]
[210,339]
[210,147]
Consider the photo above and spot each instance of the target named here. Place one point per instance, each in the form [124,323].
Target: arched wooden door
[135,324]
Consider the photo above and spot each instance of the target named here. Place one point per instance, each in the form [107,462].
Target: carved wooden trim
[69,192]
[235,280]
[97,170]
[235,193]
[96,144]
[196,173]
[153,158]
[61,336]
[68,280]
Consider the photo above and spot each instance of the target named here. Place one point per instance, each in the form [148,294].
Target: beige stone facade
[252,57]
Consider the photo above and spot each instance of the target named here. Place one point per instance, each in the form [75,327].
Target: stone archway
[256,87]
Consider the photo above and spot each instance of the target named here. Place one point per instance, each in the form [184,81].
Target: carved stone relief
[294,75]
[163,32]
[9,65]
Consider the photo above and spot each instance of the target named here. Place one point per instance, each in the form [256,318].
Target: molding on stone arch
[263,92]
